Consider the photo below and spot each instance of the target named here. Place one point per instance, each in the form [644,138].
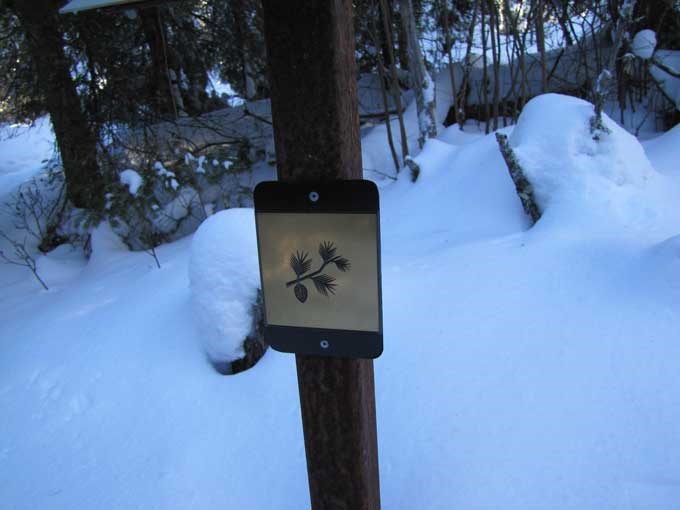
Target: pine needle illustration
[327,251]
[325,284]
[300,263]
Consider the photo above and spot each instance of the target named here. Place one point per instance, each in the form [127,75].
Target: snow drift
[575,177]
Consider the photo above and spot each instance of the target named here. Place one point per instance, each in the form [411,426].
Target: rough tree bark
[311,55]
[77,144]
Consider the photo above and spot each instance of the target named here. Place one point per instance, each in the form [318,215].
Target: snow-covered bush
[224,280]
[19,254]
[41,216]
[36,208]
[162,202]
[661,68]
[134,209]
[38,218]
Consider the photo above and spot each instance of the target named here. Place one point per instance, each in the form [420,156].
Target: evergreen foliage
[128,76]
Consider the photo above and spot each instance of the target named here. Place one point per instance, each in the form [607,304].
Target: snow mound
[644,44]
[224,278]
[106,245]
[664,152]
[670,249]
[61,265]
[576,177]
[464,192]
[665,261]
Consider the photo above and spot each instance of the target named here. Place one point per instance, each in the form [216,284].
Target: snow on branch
[665,68]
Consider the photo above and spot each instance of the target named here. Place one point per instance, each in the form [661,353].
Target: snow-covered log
[525,191]
[224,282]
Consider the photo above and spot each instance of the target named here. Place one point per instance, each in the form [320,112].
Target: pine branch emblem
[301,264]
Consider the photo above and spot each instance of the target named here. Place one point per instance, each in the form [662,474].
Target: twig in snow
[21,257]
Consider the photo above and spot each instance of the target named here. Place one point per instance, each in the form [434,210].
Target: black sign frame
[335,197]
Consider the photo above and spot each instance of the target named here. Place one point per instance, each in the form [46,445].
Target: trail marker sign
[319,251]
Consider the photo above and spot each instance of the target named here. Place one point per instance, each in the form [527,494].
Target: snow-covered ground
[524,368]
[22,150]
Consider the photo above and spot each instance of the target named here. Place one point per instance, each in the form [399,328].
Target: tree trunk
[192,84]
[608,73]
[516,56]
[485,69]
[311,55]
[383,81]
[241,30]
[540,42]
[421,81]
[394,80]
[494,29]
[523,60]
[161,83]
[467,67]
[562,13]
[402,42]
[452,72]
[77,144]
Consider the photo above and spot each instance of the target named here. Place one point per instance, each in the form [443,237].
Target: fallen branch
[523,187]
[665,68]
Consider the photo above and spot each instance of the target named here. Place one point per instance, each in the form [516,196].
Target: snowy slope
[523,369]
[108,401]
[664,152]
[22,148]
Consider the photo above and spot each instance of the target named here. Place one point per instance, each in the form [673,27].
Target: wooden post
[310,51]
